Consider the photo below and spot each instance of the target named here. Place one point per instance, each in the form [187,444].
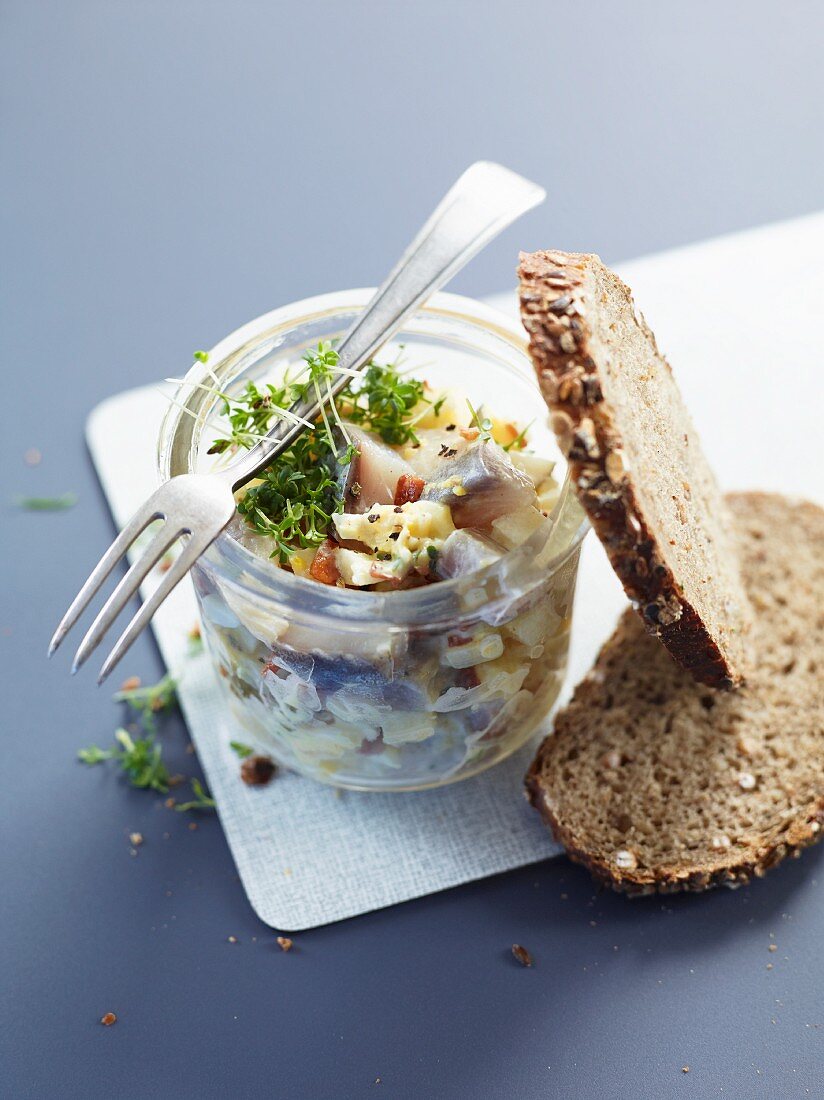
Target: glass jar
[385,690]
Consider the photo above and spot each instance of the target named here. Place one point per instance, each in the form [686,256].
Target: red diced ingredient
[457,639]
[467,678]
[408,489]
[324,568]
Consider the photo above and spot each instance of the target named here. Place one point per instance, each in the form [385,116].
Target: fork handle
[483,202]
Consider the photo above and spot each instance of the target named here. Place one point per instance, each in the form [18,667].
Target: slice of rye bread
[636,461]
[656,783]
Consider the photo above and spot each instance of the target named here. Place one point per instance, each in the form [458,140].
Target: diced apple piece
[516,527]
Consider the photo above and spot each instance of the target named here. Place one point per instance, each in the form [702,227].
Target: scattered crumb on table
[521,955]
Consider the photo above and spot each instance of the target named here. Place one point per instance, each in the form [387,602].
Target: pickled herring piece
[372,475]
[479,485]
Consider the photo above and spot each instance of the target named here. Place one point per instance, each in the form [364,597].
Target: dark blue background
[171,169]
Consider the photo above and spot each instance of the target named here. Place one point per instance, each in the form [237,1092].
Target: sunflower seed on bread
[656,783]
[635,460]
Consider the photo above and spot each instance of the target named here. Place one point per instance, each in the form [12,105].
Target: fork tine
[168,534]
[188,556]
[135,527]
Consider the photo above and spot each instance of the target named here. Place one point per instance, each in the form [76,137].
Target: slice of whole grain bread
[657,783]
[635,460]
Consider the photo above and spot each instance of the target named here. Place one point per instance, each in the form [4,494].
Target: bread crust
[550,291]
[800,826]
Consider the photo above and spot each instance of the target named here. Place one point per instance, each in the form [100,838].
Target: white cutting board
[738,318]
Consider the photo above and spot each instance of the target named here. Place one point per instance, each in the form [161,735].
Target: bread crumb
[257,771]
[773,947]
[521,954]
[192,826]
[108,1019]
[130,684]
[284,943]
[169,803]
[685,1069]
[231,939]
[136,839]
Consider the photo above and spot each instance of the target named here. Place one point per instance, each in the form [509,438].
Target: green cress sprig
[296,496]
[141,758]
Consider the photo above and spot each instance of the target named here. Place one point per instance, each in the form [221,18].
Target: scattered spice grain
[521,955]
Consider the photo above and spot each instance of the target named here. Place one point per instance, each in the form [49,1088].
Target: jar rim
[282,586]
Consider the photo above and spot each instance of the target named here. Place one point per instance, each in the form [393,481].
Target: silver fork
[484,201]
